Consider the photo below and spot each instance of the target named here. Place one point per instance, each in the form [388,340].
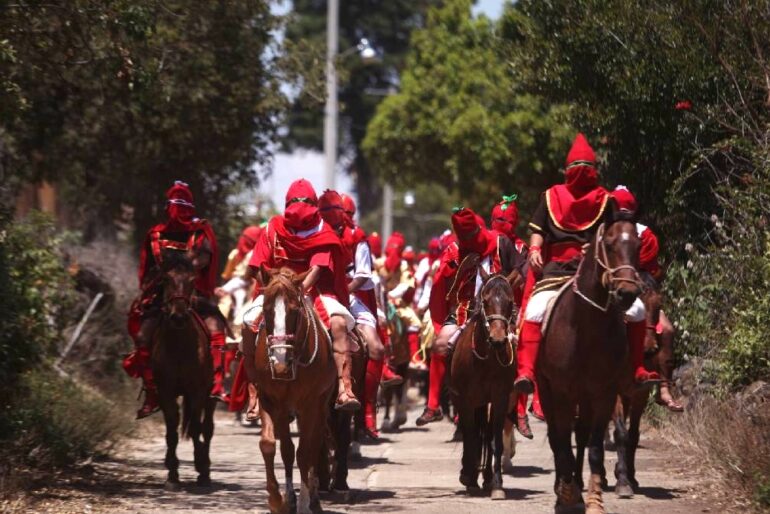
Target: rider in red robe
[181,232]
[497,255]
[301,241]
[338,211]
[566,219]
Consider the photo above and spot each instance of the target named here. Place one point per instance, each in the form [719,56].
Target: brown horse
[632,400]
[333,475]
[295,373]
[182,366]
[395,397]
[481,374]
[583,354]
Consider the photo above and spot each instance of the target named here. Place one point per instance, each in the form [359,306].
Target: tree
[114,100]
[362,86]
[460,119]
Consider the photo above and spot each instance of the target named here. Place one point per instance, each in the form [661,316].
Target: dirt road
[413,471]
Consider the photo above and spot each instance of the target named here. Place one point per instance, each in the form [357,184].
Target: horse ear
[515,280]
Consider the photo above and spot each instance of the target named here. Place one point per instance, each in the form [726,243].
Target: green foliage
[460,118]
[114,100]
[51,422]
[35,293]
[363,85]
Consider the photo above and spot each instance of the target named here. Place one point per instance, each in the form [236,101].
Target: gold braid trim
[582,227]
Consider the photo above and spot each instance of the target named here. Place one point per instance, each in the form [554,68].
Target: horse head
[178,286]
[286,320]
[496,307]
[616,251]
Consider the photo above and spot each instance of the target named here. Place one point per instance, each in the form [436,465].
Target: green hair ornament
[508,199]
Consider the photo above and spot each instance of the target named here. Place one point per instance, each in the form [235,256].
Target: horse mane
[176,260]
[283,279]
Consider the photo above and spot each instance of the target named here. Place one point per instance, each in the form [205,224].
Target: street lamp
[331,111]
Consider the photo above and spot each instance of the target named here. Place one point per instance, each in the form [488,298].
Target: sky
[310,165]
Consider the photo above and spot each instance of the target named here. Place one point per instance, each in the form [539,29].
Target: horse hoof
[498,494]
[172,487]
[624,490]
[203,481]
[604,484]
[473,490]
[507,465]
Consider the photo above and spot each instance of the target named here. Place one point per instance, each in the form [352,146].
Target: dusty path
[414,471]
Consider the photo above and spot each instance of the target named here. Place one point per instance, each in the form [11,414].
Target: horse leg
[484,421]
[342,442]
[497,421]
[387,399]
[267,447]
[582,434]
[560,413]
[638,404]
[470,464]
[622,485]
[282,429]
[310,444]
[602,411]
[197,431]
[171,417]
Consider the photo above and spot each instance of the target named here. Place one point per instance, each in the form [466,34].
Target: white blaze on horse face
[279,330]
[625,236]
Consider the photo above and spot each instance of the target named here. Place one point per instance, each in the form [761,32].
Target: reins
[482,314]
[608,277]
[284,341]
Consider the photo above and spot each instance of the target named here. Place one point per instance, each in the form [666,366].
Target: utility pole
[387,212]
[331,109]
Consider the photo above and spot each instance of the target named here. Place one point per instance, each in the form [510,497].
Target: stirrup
[146,411]
[522,426]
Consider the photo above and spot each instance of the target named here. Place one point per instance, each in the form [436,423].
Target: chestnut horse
[295,374]
[481,374]
[583,354]
[182,366]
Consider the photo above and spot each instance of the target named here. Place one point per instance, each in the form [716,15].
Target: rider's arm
[363,267]
[202,257]
[311,278]
[536,240]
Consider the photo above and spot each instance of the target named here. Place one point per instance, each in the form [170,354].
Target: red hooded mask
[179,207]
[578,203]
[472,234]
[248,239]
[375,244]
[505,217]
[349,206]
[409,255]
[301,212]
[625,200]
[330,207]
[580,174]
[393,250]
[434,249]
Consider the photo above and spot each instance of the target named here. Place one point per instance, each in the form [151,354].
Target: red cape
[207,277]
[438,304]
[281,244]
[575,214]
[351,237]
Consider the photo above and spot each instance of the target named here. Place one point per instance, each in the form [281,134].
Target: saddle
[553,301]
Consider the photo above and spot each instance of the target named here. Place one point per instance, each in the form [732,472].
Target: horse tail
[484,426]
[186,416]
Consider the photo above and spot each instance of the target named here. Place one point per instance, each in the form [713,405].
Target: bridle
[286,342]
[481,313]
[609,275]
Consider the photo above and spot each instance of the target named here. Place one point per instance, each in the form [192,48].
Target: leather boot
[636,332]
[529,343]
[346,400]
